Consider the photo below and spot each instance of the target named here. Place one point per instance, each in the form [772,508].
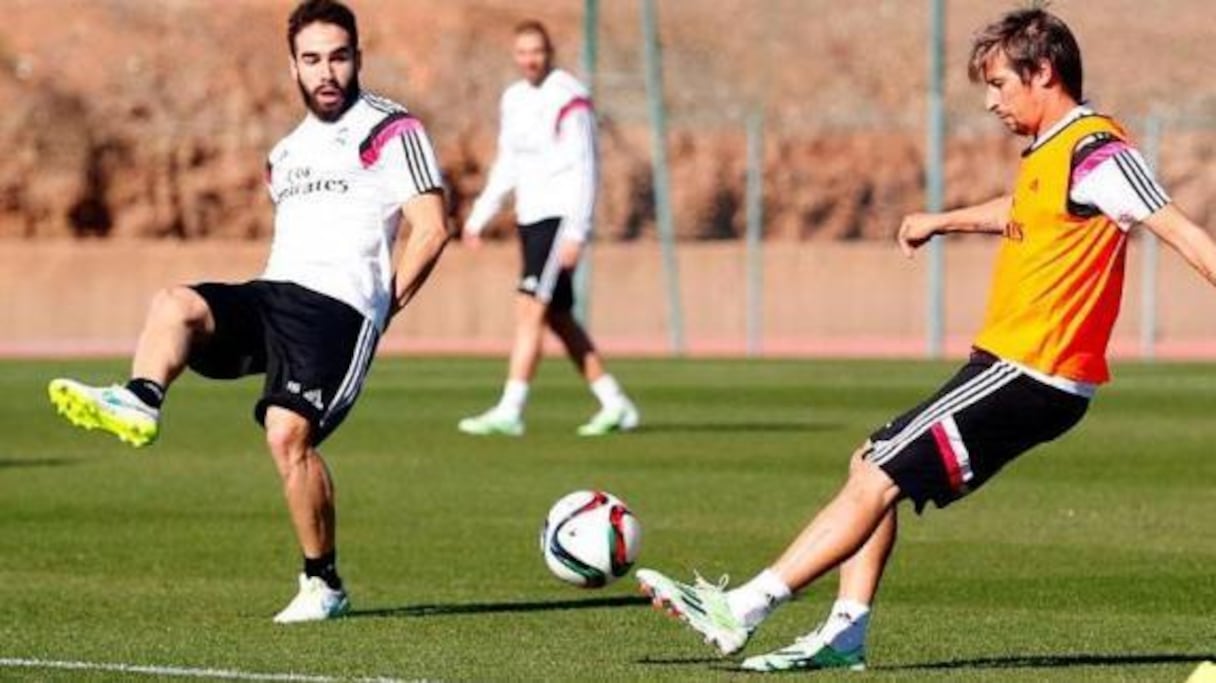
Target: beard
[350,93]
[536,74]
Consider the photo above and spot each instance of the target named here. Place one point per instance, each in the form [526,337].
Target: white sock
[845,628]
[514,398]
[752,602]
[608,391]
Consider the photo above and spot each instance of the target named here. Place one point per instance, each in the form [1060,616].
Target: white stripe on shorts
[357,370]
[551,271]
[966,394]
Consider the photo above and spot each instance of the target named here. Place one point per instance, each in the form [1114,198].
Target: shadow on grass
[714,662]
[735,427]
[499,607]
[1018,662]
[1056,661]
[22,463]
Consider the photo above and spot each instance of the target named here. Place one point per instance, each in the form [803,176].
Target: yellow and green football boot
[111,409]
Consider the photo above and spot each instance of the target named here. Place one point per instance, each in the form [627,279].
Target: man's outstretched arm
[429,234]
[989,218]
[1191,241]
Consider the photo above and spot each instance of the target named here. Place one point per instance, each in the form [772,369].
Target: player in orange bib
[1037,361]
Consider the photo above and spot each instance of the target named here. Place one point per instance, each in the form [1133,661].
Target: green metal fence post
[935,178]
[662,181]
[755,230]
[588,59]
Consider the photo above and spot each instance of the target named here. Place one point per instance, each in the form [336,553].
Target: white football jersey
[546,154]
[338,189]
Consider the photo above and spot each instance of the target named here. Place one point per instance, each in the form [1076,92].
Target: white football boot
[493,421]
[623,417]
[315,602]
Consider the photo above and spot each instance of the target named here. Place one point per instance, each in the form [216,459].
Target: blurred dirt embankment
[150,118]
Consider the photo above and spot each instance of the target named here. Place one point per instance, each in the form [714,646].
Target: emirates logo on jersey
[300,181]
[1014,232]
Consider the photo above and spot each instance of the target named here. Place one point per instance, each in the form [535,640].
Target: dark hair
[322,11]
[535,27]
[1027,37]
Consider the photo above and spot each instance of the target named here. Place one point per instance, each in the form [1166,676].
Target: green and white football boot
[620,418]
[492,422]
[808,653]
[701,605]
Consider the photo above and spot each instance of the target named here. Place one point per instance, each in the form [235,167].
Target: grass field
[1094,559]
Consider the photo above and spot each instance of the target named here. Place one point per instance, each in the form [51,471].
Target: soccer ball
[590,539]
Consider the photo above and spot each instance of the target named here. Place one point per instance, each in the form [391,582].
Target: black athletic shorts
[313,349]
[543,277]
[985,416]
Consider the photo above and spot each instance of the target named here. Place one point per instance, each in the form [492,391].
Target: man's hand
[916,230]
[569,253]
[987,218]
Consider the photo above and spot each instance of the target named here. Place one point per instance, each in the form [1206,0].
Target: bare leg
[306,481]
[506,417]
[578,344]
[840,531]
[857,528]
[529,331]
[861,573]
[177,318]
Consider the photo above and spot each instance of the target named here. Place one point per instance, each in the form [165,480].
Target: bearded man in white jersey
[341,182]
[547,157]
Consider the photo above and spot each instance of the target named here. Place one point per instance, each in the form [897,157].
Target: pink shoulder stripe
[381,135]
[1100,156]
[576,104]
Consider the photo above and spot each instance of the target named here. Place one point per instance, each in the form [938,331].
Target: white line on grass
[178,671]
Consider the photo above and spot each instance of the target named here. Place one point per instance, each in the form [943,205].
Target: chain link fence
[142,118]
[842,88]
[150,119]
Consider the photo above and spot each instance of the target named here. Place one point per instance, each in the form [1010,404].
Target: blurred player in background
[1037,361]
[547,156]
[341,183]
